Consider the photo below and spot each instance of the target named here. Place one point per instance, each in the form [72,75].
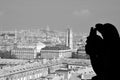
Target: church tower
[69,38]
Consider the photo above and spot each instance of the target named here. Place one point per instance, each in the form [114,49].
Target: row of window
[23,51]
[26,76]
[24,56]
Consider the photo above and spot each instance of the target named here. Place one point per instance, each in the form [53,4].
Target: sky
[80,15]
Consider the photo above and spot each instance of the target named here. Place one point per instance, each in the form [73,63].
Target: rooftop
[12,61]
[24,49]
[25,67]
[56,47]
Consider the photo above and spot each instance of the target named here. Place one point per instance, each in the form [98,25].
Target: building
[88,73]
[55,76]
[24,53]
[30,71]
[55,52]
[80,53]
[66,73]
[27,51]
[36,45]
[50,54]
[13,61]
[69,38]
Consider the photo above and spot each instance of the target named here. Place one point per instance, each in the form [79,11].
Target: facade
[24,53]
[22,74]
[27,51]
[28,71]
[52,69]
[50,54]
[66,74]
[37,70]
[12,61]
[57,51]
[36,45]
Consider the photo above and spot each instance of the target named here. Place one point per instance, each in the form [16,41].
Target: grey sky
[79,14]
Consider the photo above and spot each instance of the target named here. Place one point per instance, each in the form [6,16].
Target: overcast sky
[58,14]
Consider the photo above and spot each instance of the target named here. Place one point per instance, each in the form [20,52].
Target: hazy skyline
[80,15]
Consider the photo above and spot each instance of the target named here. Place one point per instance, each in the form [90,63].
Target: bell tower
[69,38]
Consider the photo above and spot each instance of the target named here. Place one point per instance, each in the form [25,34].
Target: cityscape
[44,55]
[46,39]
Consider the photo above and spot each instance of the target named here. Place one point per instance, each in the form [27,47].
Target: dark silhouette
[104,51]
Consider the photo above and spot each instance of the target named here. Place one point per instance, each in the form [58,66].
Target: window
[25,78]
